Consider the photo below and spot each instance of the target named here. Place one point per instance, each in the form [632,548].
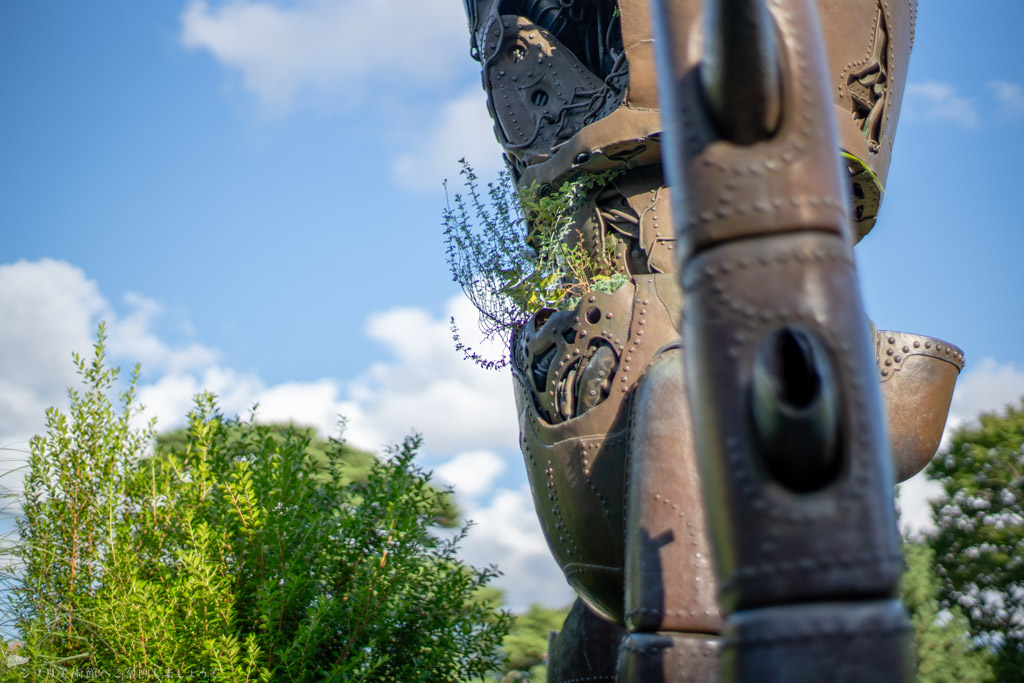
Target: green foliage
[238,553]
[11,473]
[942,639]
[526,645]
[561,270]
[515,252]
[329,458]
[979,544]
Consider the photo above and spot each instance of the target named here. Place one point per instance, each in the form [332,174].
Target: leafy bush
[234,555]
[516,252]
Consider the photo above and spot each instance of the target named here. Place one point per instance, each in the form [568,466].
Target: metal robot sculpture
[737,524]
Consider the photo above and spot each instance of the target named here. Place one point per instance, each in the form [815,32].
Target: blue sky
[250,194]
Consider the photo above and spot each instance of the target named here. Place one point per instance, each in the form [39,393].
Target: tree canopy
[979,543]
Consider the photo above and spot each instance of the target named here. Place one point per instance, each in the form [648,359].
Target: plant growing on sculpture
[236,552]
[516,252]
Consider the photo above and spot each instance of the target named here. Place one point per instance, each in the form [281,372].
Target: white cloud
[430,388]
[133,337]
[48,309]
[316,404]
[505,529]
[913,498]
[332,46]
[507,533]
[426,387]
[1010,96]
[940,101]
[472,472]
[986,386]
[170,397]
[463,129]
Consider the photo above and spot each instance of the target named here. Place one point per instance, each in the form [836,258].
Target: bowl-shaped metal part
[917,375]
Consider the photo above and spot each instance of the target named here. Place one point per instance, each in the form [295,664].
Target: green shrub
[238,553]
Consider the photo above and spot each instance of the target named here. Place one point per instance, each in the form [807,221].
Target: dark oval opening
[794,402]
[795,366]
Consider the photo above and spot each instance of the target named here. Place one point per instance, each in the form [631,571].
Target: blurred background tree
[942,638]
[979,541]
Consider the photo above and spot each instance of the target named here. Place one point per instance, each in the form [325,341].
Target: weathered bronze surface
[739,525]
[917,376]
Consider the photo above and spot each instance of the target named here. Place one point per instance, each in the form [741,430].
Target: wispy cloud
[986,386]
[472,472]
[940,101]
[1010,96]
[508,534]
[327,46]
[428,386]
[462,129]
[133,336]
